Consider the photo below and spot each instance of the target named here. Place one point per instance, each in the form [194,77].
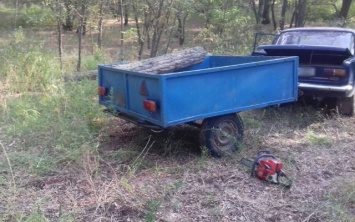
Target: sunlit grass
[55,124]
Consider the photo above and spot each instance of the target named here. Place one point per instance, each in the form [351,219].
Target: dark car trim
[330,49]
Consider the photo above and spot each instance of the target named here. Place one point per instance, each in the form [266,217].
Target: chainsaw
[268,168]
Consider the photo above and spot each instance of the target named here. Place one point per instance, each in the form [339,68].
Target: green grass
[34,16]
[343,200]
[314,138]
[55,124]
[152,206]
[27,66]
[51,123]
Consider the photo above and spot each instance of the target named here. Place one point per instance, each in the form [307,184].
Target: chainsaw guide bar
[246,162]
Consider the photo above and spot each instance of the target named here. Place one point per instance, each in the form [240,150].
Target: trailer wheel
[222,135]
[346,106]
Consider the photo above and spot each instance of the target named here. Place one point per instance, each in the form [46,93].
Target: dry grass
[142,176]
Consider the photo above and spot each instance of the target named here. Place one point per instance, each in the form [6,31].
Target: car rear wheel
[345,106]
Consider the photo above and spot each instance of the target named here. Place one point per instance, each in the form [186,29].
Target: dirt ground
[144,176]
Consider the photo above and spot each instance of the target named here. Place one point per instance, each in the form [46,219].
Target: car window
[318,38]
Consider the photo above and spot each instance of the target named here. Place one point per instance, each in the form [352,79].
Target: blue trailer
[208,95]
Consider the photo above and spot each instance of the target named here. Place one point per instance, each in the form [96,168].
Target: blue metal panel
[116,84]
[136,99]
[230,90]
[219,85]
[124,92]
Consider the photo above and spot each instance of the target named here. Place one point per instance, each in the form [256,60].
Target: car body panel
[326,59]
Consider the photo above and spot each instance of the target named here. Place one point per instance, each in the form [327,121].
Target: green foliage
[320,13]
[36,216]
[351,16]
[90,62]
[222,19]
[7,17]
[226,42]
[152,206]
[26,67]
[36,16]
[229,30]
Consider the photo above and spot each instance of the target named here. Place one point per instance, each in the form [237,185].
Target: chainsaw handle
[287,185]
[257,160]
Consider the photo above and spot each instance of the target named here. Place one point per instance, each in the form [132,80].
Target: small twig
[10,167]
[309,216]
[143,151]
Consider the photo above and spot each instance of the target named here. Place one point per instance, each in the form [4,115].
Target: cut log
[158,65]
[167,63]
[78,76]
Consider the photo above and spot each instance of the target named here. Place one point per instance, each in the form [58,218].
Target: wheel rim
[224,135]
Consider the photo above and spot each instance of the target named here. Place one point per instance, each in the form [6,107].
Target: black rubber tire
[222,135]
[346,106]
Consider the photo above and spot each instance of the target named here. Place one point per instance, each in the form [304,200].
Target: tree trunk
[292,19]
[260,9]
[156,29]
[160,21]
[68,26]
[163,25]
[266,13]
[82,19]
[273,14]
[99,36]
[78,76]
[60,42]
[255,11]
[80,36]
[167,63]
[172,29]
[300,13]
[16,13]
[343,14]
[122,31]
[139,33]
[84,25]
[146,30]
[283,14]
[58,10]
[125,14]
[181,27]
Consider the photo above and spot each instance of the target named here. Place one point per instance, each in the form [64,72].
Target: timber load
[167,63]
[158,65]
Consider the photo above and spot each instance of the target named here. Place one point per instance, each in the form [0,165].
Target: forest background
[62,159]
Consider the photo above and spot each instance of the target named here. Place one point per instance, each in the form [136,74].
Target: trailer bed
[219,85]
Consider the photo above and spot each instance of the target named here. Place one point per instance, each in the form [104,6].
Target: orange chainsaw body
[268,168]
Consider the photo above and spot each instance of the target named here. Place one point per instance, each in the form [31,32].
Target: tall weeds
[26,68]
[51,120]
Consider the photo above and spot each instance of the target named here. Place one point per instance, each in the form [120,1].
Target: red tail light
[102,91]
[150,105]
[334,72]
